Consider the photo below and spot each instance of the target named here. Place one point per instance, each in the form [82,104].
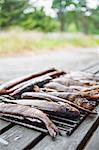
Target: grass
[12,42]
[86,41]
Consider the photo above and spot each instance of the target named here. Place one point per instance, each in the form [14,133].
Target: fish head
[69,110]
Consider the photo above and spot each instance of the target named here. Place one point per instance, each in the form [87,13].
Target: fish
[58,87]
[28,112]
[92,93]
[89,92]
[14,82]
[75,98]
[62,88]
[78,75]
[60,109]
[12,85]
[46,96]
[29,87]
[66,81]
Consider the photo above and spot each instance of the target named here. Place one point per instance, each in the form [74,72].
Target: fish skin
[80,75]
[60,109]
[76,98]
[57,86]
[28,112]
[66,81]
[46,96]
[14,82]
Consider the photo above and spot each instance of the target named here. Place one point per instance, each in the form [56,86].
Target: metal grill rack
[65,125]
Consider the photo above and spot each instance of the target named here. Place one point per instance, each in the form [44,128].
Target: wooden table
[16,137]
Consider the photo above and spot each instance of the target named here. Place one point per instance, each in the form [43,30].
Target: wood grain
[93,143]
[18,138]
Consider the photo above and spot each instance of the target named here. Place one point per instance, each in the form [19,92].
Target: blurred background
[39,34]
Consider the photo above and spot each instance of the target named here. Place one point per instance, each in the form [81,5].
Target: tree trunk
[62,24]
[62,21]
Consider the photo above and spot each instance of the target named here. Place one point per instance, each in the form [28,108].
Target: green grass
[86,41]
[20,42]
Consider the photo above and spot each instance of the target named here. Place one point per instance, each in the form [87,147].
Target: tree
[38,20]
[60,7]
[94,21]
[12,11]
[77,12]
[21,13]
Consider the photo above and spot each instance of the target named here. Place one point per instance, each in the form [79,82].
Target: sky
[48,3]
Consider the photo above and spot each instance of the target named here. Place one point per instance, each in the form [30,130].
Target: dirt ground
[15,66]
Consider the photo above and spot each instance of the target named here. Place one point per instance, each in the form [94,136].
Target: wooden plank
[73,142]
[80,136]
[93,69]
[3,124]
[17,138]
[87,66]
[93,144]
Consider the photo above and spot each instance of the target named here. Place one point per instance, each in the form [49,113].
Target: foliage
[72,15]
[77,12]
[39,21]
[11,12]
